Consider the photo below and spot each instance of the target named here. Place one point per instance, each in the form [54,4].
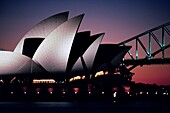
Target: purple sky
[119,19]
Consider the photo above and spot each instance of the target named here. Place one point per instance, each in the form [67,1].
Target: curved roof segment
[81,43]
[78,46]
[85,61]
[42,29]
[86,56]
[109,54]
[118,57]
[90,53]
[13,63]
[53,52]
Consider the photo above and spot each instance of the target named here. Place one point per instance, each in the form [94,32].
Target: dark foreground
[17,98]
[84,107]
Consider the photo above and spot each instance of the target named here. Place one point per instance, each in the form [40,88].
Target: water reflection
[90,107]
[53,104]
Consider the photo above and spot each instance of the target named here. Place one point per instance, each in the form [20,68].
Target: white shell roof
[90,53]
[88,57]
[14,63]
[53,52]
[42,29]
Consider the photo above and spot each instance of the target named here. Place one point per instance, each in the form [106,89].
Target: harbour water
[84,107]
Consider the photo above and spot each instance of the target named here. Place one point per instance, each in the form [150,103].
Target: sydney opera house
[54,48]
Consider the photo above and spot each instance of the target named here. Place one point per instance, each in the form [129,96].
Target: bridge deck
[147,62]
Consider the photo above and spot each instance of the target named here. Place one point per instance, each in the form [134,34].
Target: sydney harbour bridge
[149,48]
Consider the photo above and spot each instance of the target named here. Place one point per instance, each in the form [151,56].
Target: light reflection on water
[83,107]
[53,104]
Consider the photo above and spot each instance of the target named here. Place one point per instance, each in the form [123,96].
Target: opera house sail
[56,47]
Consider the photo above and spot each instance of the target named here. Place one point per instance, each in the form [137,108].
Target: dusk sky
[118,19]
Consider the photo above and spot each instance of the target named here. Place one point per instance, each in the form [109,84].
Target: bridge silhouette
[149,47]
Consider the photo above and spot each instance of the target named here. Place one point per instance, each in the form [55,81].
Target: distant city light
[114,94]
[43,81]
[100,73]
[164,93]
[76,78]
[76,90]
[83,77]
[1,81]
[50,89]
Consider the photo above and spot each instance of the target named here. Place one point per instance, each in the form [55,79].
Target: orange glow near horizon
[158,74]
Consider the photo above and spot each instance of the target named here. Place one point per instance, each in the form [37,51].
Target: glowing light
[83,77]
[106,73]
[156,92]
[76,78]
[51,92]
[127,89]
[75,92]
[164,93]
[12,92]
[89,92]
[71,79]
[114,89]
[141,93]
[114,94]
[100,73]
[50,89]
[103,92]
[147,93]
[91,76]
[1,81]
[38,92]
[43,81]
[64,92]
